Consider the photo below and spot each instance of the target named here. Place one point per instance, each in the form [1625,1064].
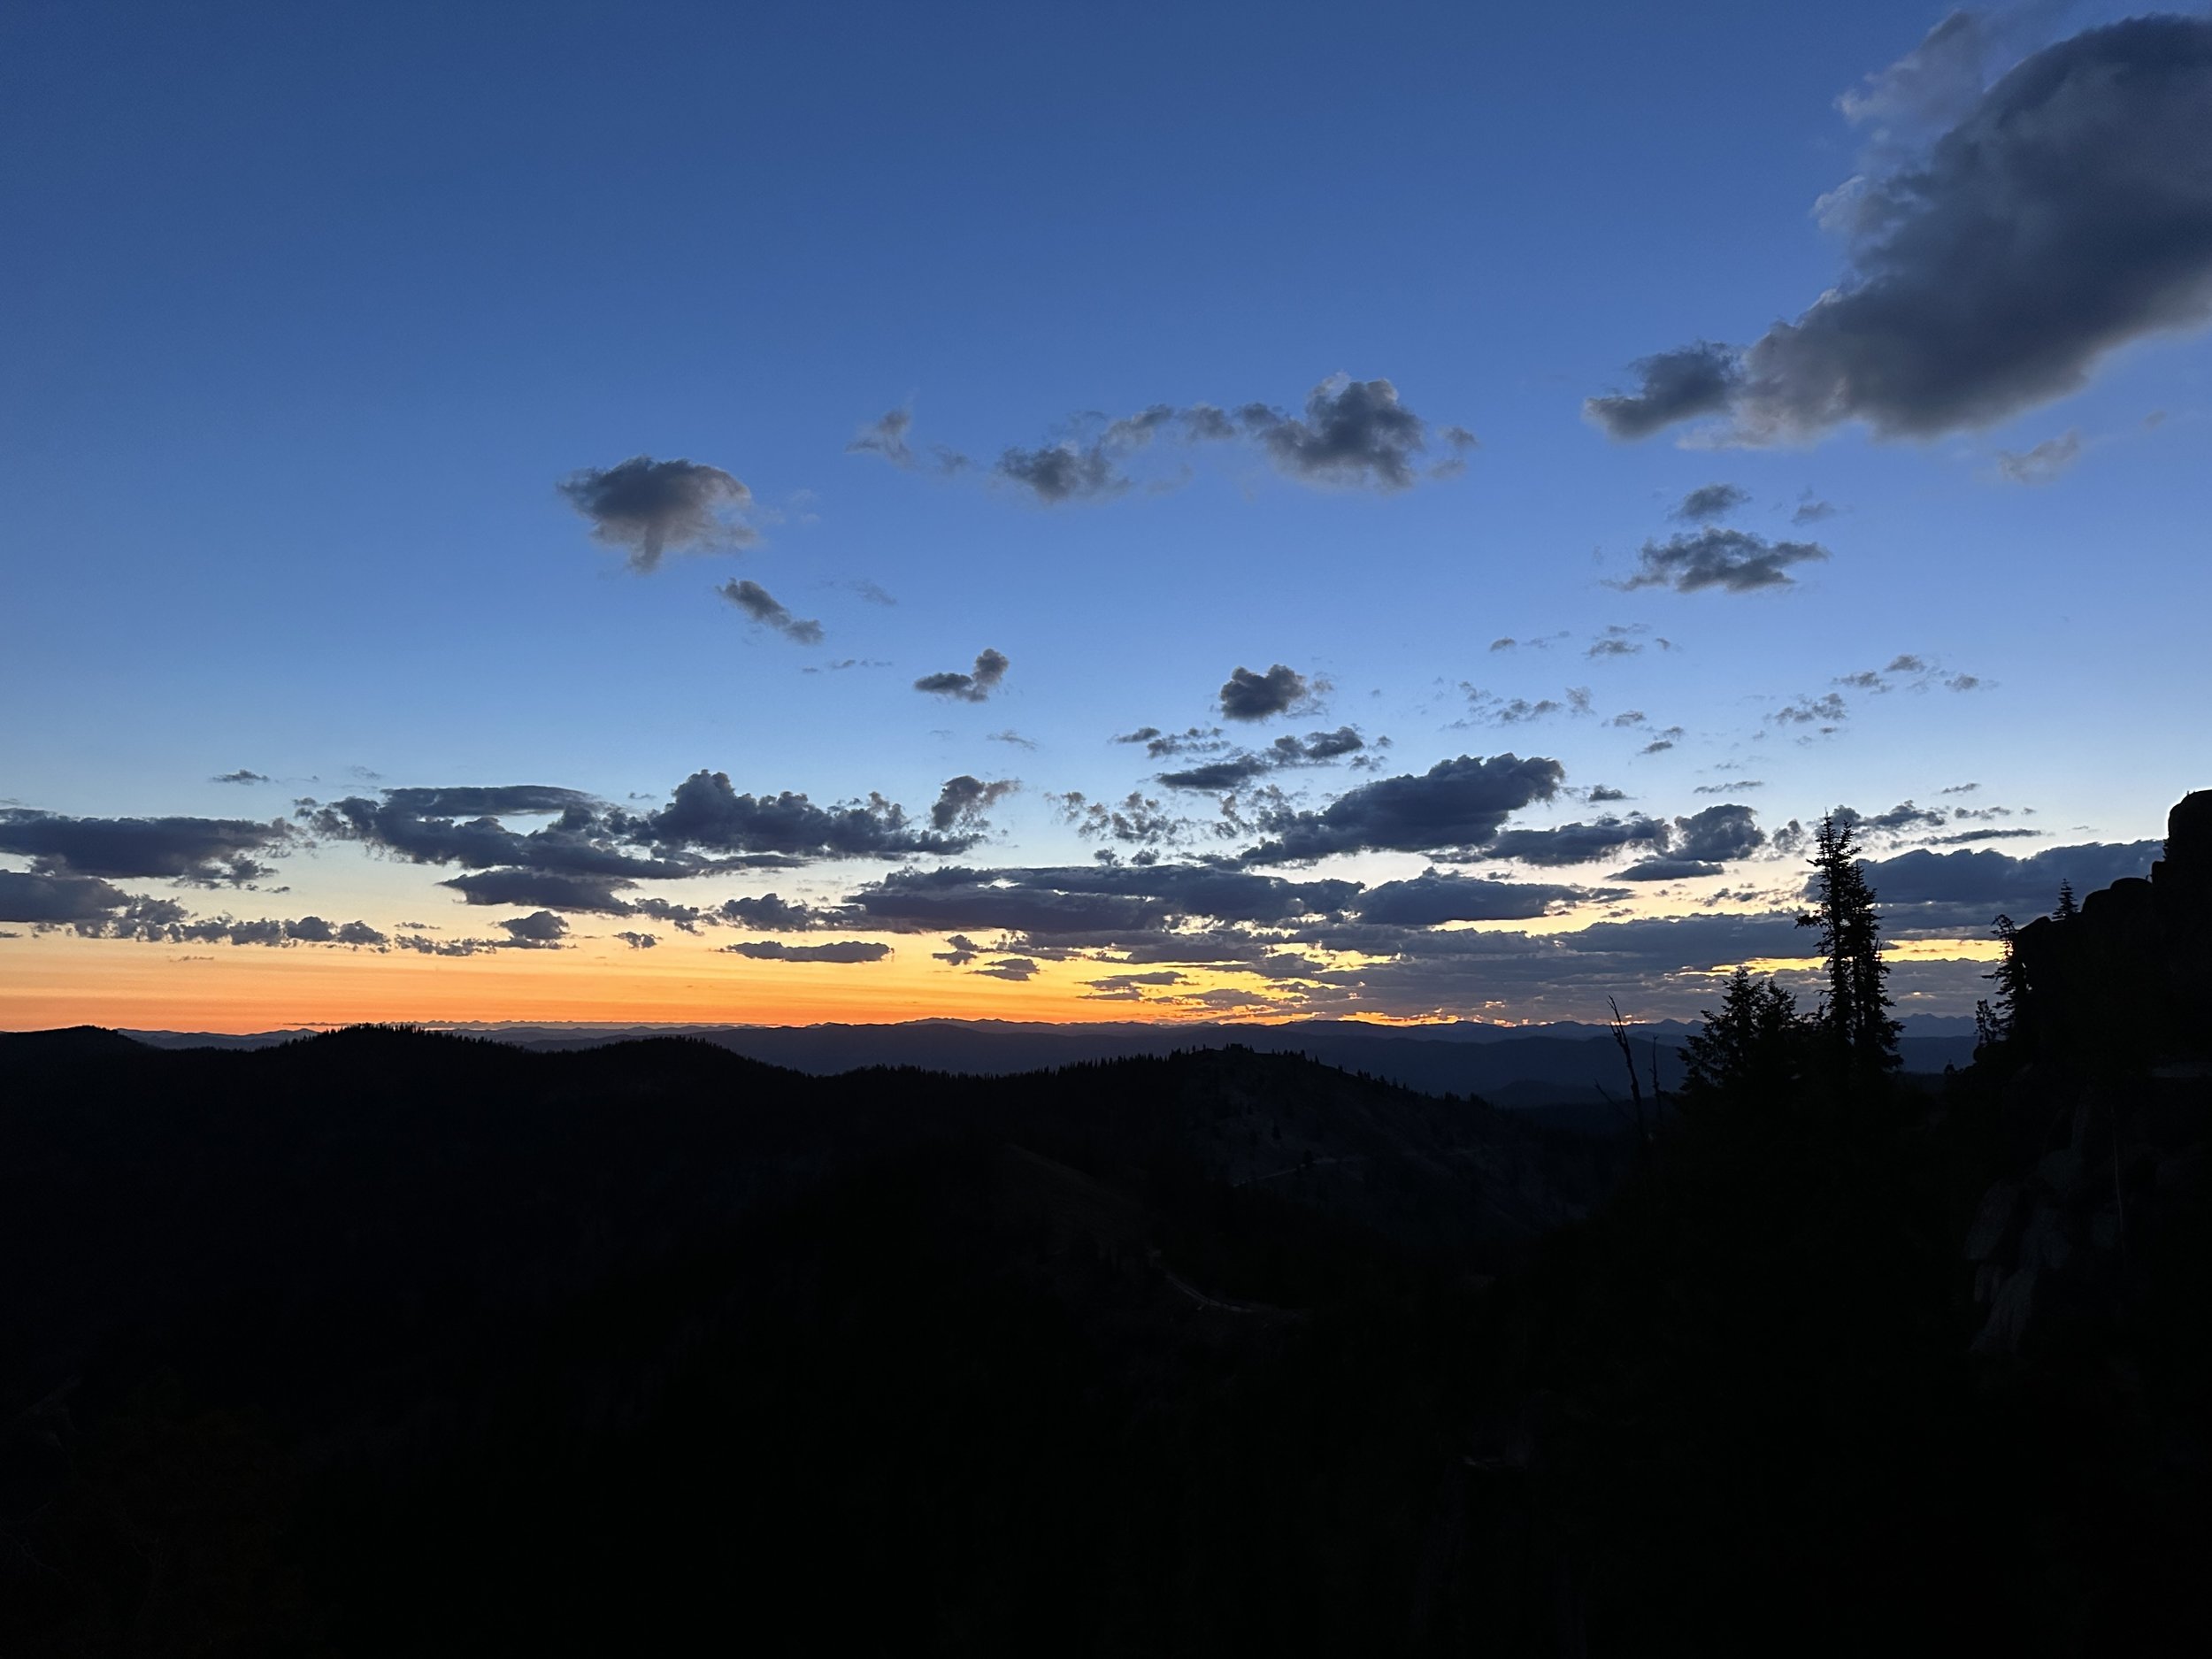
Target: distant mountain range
[1569,1072]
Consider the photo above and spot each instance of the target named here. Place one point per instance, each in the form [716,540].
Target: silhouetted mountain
[391,1342]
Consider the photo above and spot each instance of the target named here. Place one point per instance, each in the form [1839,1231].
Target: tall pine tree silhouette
[1853,1016]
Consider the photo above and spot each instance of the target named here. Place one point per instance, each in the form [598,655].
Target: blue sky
[310,313]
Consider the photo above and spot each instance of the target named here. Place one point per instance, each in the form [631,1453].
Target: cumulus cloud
[836,950]
[638,942]
[1579,844]
[1457,804]
[602,895]
[243,776]
[708,814]
[963,801]
[1681,385]
[2041,465]
[1352,432]
[1247,696]
[1971,887]
[1735,561]
[647,507]
[2067,211]
[1708,501]
[756,601]
[1809,510]
[1827,710]
[539,930]
[204,851]
[976,686]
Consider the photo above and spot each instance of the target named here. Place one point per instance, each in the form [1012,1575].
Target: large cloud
[1579,844]
[2068,212]
[836,950]
[1459,803]
[1234,772]
[1971,887]
[647,507]
[1433,897]
[202,850]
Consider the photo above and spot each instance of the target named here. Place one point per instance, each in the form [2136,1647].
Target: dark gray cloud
[706,814]
[1671,869]
[1967,838]
[1682,384]
[1136,819]
[963,801]
[1718,834]
[1735,561]
[886,436]
[1708,501]
[539,930]
[647,507]
[1352,432]
[2042,464]
[1142,735]
[1245,695]
[638,942]
[847,951]
[2067,212]
[1433,897]
[1976,885]
[59,900]
[1062,473]
[243,776]
[1825,712]
[1088,900]
[976,686]
[1898,820]
[552,890]
[1237,770]
[1457,804]
[204,851]
[1579,844]
[756,601]
[772,914]
[271,931]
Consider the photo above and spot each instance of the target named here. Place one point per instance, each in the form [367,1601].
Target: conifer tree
[1854,1014]
[1748,1051]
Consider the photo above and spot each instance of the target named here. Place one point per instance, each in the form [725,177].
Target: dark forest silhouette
[386,1341]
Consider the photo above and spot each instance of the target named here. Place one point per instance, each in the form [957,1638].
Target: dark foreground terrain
[384,1342]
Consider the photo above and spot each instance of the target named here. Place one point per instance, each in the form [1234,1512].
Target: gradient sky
[329,333]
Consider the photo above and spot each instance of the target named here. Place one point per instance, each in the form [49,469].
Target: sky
[669,512]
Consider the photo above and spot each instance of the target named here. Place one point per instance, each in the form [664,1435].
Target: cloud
[539,930]
[1719,834]
[1668,870]
[2067,212]
[1142,735]
[1811,511]
[648,508]
[974,686]
[1245,695]
[963,801]
[1088,899]
[1062,473]
[706,813]
[546,888]
[1353,433]
[886,436]
[638,942]
[1680,385]
[1709,501]
[2043,463]
[1825,709]
[772,914]
[243,776]
[1433,897]
[1136,819]
[59,900]
[1010,735]
[1579,844]
[1237,770]
[1973,887]
[755,601]
[204,851]
[845,950]
[1736,561]
[1456,803]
